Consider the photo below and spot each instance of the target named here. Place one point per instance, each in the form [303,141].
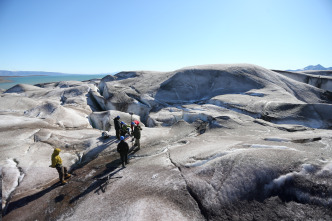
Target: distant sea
[12,81]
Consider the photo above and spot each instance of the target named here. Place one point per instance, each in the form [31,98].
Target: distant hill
[28,73]
[44,73]
[317,67]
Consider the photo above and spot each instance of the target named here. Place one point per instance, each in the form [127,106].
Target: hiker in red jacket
[135,122]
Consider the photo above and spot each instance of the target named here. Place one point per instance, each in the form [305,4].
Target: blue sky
[102,36]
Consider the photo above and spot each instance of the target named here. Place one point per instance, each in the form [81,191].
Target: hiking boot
[64,182]
[67,176]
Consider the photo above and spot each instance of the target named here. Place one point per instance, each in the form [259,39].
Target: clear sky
[103,36]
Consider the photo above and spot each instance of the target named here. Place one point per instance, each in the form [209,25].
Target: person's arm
[55,161]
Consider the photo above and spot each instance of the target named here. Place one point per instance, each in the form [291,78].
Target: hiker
[117,127]
[137,135]
[133,123]
[124,129]
[123,149]
[57,163]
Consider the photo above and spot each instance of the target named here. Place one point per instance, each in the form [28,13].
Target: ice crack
[202,209]
[12,177]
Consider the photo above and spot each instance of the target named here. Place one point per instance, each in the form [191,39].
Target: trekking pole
[131,120]
[131,117]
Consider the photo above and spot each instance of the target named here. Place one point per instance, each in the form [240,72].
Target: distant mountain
[317,67]
[28,73]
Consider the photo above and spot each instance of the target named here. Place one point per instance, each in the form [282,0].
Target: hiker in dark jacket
[117,127]
[123,149]
[137,136]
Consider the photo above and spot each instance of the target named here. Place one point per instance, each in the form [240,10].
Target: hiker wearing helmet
[124,129]
[133,124]
[117,127]
[137,135]
[123,149]
[57,163]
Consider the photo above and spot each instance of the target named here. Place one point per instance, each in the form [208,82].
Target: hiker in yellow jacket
[57,163]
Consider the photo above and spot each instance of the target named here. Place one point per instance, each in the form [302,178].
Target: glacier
[219,142]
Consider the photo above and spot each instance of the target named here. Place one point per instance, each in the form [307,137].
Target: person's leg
[126,158]
[122,156]
[61,173]
[66,174]
[138,144]
[117,134]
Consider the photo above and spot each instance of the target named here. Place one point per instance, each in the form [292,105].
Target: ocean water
[46,79]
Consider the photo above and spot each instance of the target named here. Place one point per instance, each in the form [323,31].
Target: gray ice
[236,142]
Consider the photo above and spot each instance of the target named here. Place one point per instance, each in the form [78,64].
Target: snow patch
[281,180]
[269,146]
[278,182]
